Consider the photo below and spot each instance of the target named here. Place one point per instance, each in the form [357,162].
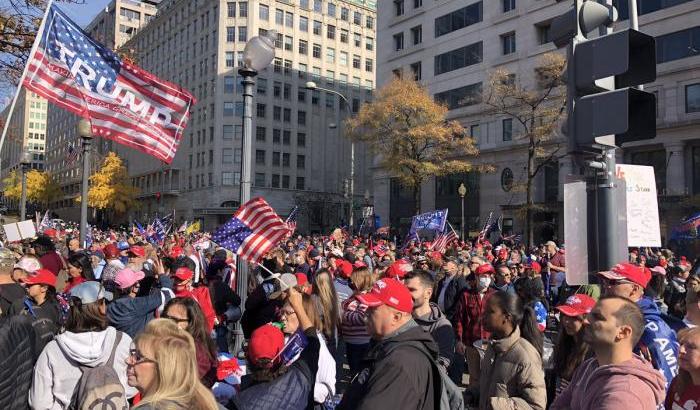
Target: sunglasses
[174,319]
[137,358]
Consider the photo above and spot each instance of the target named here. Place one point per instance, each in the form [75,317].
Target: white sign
[642,206]
[576,232]
[19,230]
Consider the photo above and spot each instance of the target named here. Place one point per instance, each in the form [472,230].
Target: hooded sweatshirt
[440,329]
[632,384]
[658,343]
[56,373]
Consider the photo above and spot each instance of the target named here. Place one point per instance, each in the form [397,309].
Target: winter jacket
[440,329]
[511,375]
[396,374]
[203,298]
[259,309]
[222,296]
[9,294]
[454,290]
[352,324]
[658,343]
[468,318]
[45,319]
[17,344]
[130,315]
[57,370]
[633,384]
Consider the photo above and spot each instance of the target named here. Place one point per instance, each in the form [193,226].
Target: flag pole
[37,40]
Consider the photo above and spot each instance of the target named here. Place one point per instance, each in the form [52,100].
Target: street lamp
[85,133]
[258,53]
[25,160]
[310,85]
[462,191]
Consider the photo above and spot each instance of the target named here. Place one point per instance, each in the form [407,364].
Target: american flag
[487,226]
[291,220]
[72,153]
[516,238]
[442,240]
[254,229]
[123,102]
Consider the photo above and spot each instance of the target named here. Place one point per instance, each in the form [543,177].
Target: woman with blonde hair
[162,365]
[328,307]
[685,387]
[352,325]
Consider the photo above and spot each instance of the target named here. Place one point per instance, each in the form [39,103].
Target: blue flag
[431,221]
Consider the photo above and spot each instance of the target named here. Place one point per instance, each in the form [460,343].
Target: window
[229,84]
[343,58]
[230,34]
[459,19]
[301,161]
[285,160]
[330,32]
[417,4]
[416,71]
[303,24]
[289,19]
[331,9]
[369,22]
[317,27]
[417,35]
[644,6]
[344,12]
[285,181]
[507,131]
[287,91]
[230,59]
[260,110]
[286,137]
[330,55]
[288,43]
[459,58]
[318,6]
[277,89]
[369,43]
[315,96]
[227,178]
[239,108]
[357,18]
[369,65]
[279,38]
[398,41]
[543,32]
[303,47]
[260,156]
[263,12]
[300,183]
[316,73]
[460,97]
[275,180]
[692,98]
[304,4]
[228,109]
[259,179]
[508,43]
[242,34]
[301,139]
[301,117]
[508,5]
[279,16]
[680,44]
[357,38]
[227,156]
[397,73]
[475,132]
[260,134]
[301,95]
[276,136]
[275,159]
[262,86]
[287,67]
[277,113]
[317,51]
[228,132]
[344,35]
[398,7]
[355,61]
[231,8]
[243,9]
[287,115]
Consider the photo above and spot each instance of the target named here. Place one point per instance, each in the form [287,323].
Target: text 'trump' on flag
[123,102]
[254,229]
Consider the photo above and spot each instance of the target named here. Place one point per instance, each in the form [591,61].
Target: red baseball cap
[111,251]
[266,342]
[41,277]
[485,269]
[184,273]
[137,250]
[577,305]
[388,292]
[50,232]
[175,252]
[627,271]
[344,268]
[534,265]
[399,269]
[301,278]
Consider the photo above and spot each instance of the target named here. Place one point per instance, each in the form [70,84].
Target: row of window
[286,18]
[278,181]
[279,159]
[279,136]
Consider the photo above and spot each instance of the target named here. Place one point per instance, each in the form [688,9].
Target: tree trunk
[416,198]
[529,201]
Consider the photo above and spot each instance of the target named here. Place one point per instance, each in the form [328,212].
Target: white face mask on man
[483,284]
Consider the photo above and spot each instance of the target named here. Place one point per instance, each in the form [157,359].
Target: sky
[80,13]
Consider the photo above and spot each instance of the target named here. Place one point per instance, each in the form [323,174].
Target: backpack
[99,387]
[449,395]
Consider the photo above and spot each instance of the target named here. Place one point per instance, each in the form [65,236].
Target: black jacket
[454,289]
[46,319]
[396,375]
[17,350]
[259,309]
[441,330]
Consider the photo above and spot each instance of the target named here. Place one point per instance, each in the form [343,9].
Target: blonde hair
[362,279]
[177,382]
[683,377]
[328,304]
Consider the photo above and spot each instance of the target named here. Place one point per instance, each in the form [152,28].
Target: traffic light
[600,74]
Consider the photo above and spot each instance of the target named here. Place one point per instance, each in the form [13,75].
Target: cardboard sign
[642,206]
[19,230]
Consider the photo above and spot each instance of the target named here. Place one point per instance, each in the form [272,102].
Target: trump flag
[123,102]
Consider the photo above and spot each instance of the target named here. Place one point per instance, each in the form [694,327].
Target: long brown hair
[569,353]
[196,324]
[85,317]
[327,298]
[683,380]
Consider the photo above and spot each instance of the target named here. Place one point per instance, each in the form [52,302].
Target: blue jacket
[130,315]
[658,343]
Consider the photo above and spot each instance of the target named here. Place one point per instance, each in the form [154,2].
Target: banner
[687,230]
[429,221]
[642,207]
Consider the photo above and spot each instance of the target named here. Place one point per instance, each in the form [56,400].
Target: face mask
[484,282]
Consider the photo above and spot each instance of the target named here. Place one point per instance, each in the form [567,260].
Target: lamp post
[85,133]
[258,53]
[310,85]
[462,191]
[25,160]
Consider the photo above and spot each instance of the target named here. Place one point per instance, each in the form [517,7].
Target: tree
[41,187]
[537,111]
[409,132]
[110,188]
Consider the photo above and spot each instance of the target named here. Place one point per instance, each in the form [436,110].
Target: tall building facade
[113,26]
[452,46]
[299,153]
[26,133]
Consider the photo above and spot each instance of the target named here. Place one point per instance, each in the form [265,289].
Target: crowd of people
[341,321]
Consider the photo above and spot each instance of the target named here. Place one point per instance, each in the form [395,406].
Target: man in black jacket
[449,289]
[397,371]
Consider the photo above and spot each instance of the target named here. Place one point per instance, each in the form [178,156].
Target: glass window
[301,117]
[275,159]
[230,59]
[459,19]
[330,55]
[416,70]
[330,32]
[260,134]
[300,183]
[460,97]
[369,43]
[304,4]
[417,35]
[279,16]
[344,12]
[317,51]
[343,58]
[287,115]
[230,34]
[277,113]
[369,22]
[227,156]
[286,137]
[276,136]
[286,160]
[228,109]
[508,43]
[692,98]
[260,110]
[508,5]
[357,18]
[263,12]
[357,38]
[317,27]
[344,35]
[242,34]
[230,8]
[289,19]
[301,139]
[369,65]
[229,83]
[260,156]
[227,178]
[288,43]
[681,44]
[303,24]
[243,9]
[398,7]
[228,132]
[275,180]
[507,130]
[475,132]
[301,161]
[318,6]
[285,181]
[262,86]
[331,9]
[259,179]
[355,61]
[398,41]
[459,58]
[303,47]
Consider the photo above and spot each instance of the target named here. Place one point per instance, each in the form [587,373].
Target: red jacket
[469,316]
[201,295]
